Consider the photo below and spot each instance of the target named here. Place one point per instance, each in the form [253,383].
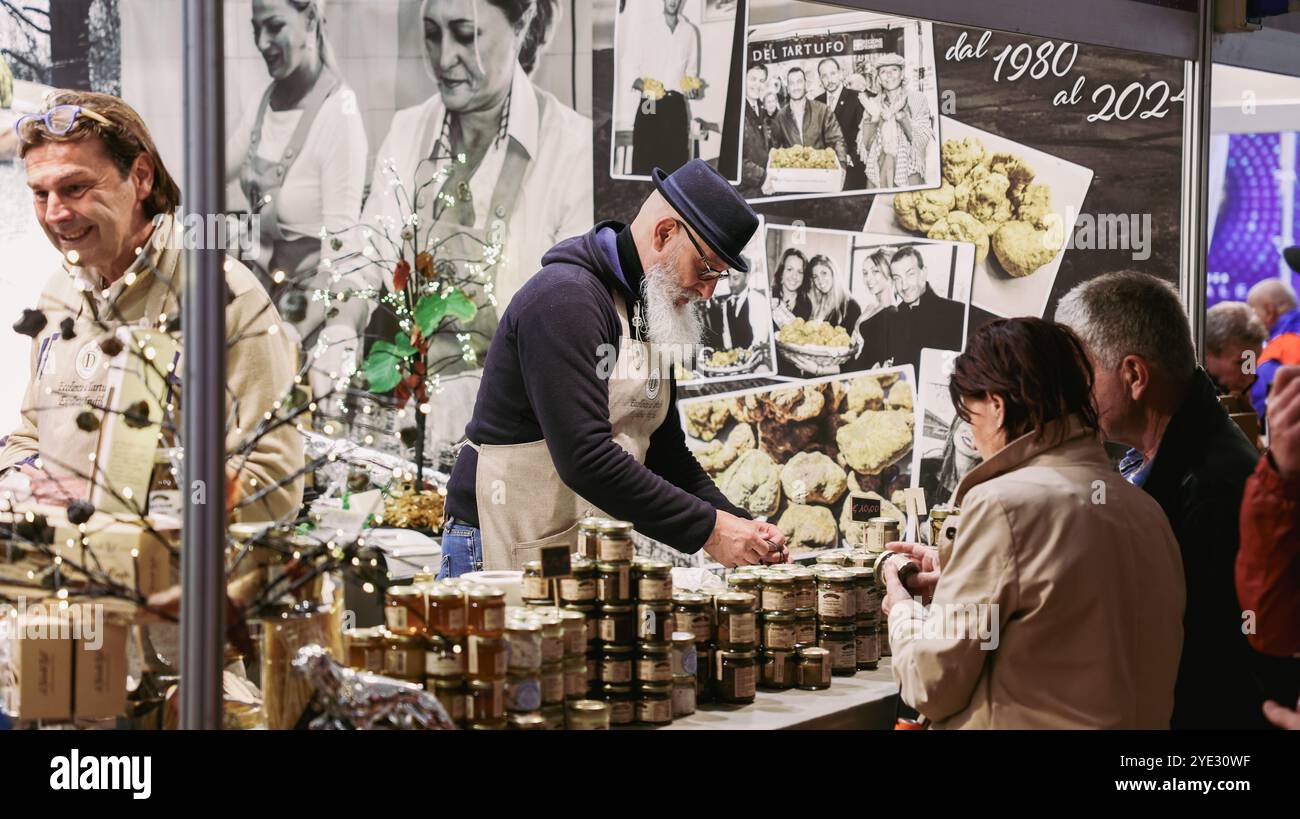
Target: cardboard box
[806,180]
[125,551]
[35,667]
[100,688]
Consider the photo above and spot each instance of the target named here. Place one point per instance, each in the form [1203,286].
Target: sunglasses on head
[58,120]
[711,274]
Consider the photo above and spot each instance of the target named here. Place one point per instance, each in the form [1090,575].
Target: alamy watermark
[955,621]
[83,622]
[237,233]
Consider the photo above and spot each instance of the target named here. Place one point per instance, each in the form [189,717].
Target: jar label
[775,599]
[575,640]
[778,635]
[683,700]
[609,630]
[494,619]
[745,682]
[552,649]
[553,688]
[844,653]
[395,617]
[374,659]
[620,712]
[575,682]
[395,663]
[863,602]
[805,598]
[654,711]
[536,588]
[778,670]
[698,623]
[616,671]
[525,695]
[449,664]
[577,588]
[615,550]
[833,604]
[868,646]
[653,588]
[525,653]
[653,670]
[741,628]
[806,631]
[495,662]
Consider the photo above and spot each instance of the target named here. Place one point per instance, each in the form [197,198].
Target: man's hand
[924,581]
[855,82]
[1283,717]
[776,539]
[1284,421]
[736,541]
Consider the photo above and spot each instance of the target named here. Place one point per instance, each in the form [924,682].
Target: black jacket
[1198,478]
[753,167]
[540,381]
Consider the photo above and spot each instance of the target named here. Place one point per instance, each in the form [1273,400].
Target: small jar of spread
[836,559]
[867,644]
[594,658]
[779,593]
[443,659]
[684,656]
[860,557]
[574,625]
[526,722]
[805,589]
[814,669]
[779,630]
[654,622]
[874,596]
[880,531]
[805,626]
[580,585]
[575,678]
[613,583]
[535,587]
[451,693]
[587,715]
[618,625]
[615,665]
[525,640]
[693,612]
[862,585]
[486,701]
[780,668]
[553,683]
[745,582]
[938,514]
[614,542]
[486,611]
[840,641]
[654,663]
[486,658]
[735,676]
[906,568]
[588,528]
[654,703]
[554,716]
[446,610]
[523,693]
[736,623]
[591,615]
[683,695]
[405,610]
[622,708]
[654,580]
[366,648]
[552,637]
[705,653]
[836,596]
[404,657]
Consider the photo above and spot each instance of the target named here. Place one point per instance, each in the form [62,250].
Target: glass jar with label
[814,669]
[525,640]
[486,658]
[523,692]
[654,580]
[618,625]
[867,642]
[587,715]
[446,610]
[590,614]
[535,587]
[938,514]
[574,625]
[404,657]
[552,678]
[684,656]
[614,542]
[750,583]
[841,641]
[554,716]
[588,529]
[735,676]
[654,703]
[552,636]
[485,611]
[366,648]
[594,657]
[693,612]
[836,596]
[779,593]
[875,597]
[575,678]
[683,695]
[862,584]
[736,621]
[835,559]
[880,531]
[580,585]
[705,652]
[861,557]
[405,610]
[653,663]
[654,622]
[450,691]
[622,706]
[613,583]
[805,626]
[780,668]
[486,701]
[805,589]
[526,722]
[443,658]
[779,630]
[906,568]
[615,664]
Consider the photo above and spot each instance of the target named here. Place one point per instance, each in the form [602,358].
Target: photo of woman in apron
[299,156]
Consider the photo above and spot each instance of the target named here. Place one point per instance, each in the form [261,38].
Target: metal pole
[203,404]
[1196,153]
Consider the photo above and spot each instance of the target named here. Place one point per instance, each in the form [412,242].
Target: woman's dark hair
[543,13]
[780,270]
[1038,367]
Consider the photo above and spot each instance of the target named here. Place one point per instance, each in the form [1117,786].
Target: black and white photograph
[838,104]
[738,340]
[847,302]
[945,443]
[794,453]
[672,75]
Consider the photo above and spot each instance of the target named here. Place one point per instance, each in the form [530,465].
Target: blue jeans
[462,549]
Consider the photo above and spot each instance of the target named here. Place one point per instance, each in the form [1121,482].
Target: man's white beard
[666,322]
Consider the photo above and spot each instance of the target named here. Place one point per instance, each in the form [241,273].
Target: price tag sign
[556,561]
[863,508]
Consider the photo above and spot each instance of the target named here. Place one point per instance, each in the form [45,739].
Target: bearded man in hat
[576,414]
[896,128]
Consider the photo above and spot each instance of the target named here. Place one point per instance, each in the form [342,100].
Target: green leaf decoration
[434,307]
[381,368]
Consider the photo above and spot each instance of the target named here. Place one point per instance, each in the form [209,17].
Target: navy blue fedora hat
[712,207]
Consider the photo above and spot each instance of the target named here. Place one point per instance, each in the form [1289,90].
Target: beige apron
[522,503]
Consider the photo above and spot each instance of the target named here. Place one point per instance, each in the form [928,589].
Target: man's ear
[1135,374]
[142,173]
[663,231]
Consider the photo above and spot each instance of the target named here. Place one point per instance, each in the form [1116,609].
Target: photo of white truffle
[753,482]
[812,477]
[900,396]
[808,528]
[960,226]
[959,157]
[705,420]
[875,440]
[1023,248]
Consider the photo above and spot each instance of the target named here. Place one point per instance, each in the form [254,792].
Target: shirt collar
[524,116]
[145,262]
[1031,445]
[1135,467]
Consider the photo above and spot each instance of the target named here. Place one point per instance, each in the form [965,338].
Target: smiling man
[105,200]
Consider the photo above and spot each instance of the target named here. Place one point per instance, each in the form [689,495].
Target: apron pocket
[532,549]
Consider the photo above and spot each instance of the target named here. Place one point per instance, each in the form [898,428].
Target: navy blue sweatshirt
[540,381]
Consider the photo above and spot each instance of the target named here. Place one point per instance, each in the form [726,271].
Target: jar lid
[589,707]
[747,579]
[886,522]
[684,680]
[572,619]
[779,616]
[357,635]
[436,642]
[485,685]
[735,599]
[487,593]
[449,683]
[404,591]
[814,653]
[778,579]
[441,591]
[532,720]
[838,576]
[653,648]
[579,563]
[859,572]
[616,608]
[616,688]
[656,688]
[583,609]
[777,653]
[524,626]
[533,566]
[849,626]
[690,598]
[591,522]
[615,527]
[749,654]
[653,566]
[612,565]
[683,637]
[655,605]
[807,611]
[940,511]
[616,649]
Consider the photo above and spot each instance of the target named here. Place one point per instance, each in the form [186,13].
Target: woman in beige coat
[1060,604]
